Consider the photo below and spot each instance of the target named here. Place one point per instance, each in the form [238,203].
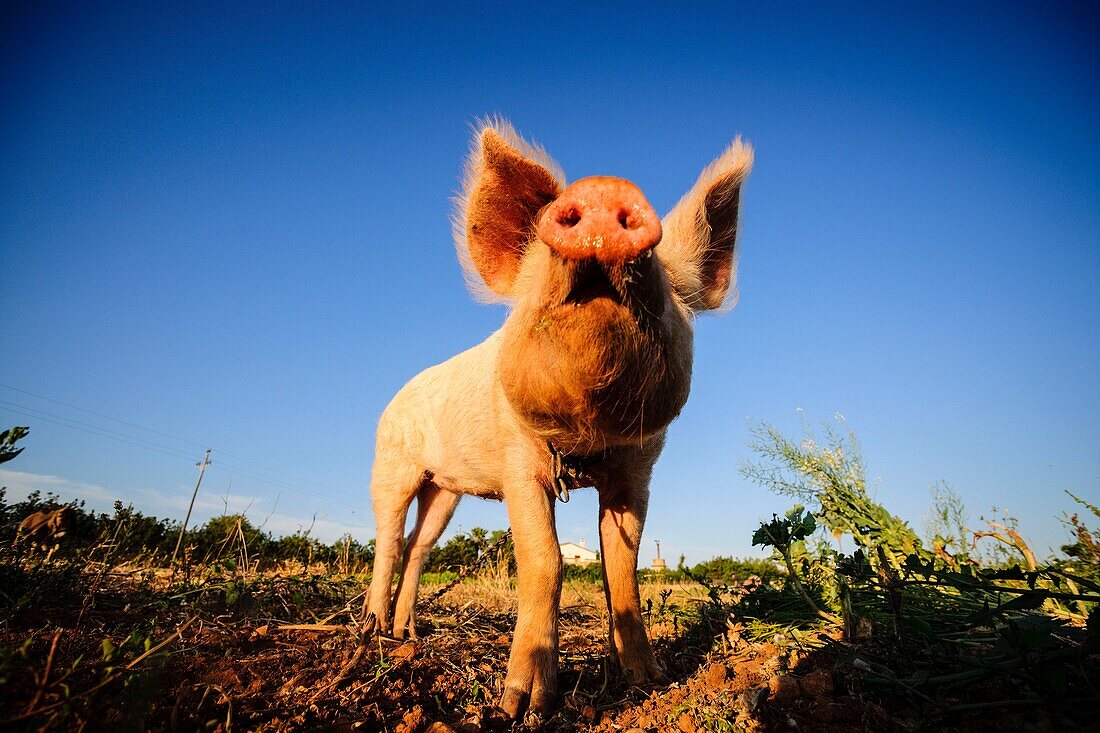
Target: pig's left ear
[507,182]
[700,233]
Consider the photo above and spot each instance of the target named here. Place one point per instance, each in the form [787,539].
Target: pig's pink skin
[600,217]
[594,356]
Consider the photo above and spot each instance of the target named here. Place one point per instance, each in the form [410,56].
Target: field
[137,649]
[91,647]
[904,634]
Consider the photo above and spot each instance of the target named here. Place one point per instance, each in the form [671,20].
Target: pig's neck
[604,390]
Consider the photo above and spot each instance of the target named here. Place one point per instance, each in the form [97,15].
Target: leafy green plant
[927,625]
[784,534]
[1083,554]
[830,478]
[946,525]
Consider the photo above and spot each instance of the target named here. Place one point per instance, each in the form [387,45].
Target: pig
[576,389]
[45,525]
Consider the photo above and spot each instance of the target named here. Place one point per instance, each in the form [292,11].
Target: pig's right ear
[507,182]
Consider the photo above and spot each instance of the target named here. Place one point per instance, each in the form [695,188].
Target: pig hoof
[649,673]
[542,705]
[374,624]
[533,709]
[657,676]
[409,630]
[514,702]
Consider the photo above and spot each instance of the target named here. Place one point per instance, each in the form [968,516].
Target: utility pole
[202,469]
[658,562]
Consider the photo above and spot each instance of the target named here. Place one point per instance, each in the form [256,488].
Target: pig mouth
[591,281]
[630,285]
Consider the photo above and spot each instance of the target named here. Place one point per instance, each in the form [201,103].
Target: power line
[271,470]
[94,430]
[347,500]
[165,435]
[100,414]
[355,503]
[232,470]
[327,493]
[137,442]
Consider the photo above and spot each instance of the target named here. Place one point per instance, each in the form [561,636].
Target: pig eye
[569,217]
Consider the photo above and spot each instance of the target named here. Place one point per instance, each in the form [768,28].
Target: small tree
[8,439]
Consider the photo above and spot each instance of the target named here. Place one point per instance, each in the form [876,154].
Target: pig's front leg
[622,514]
[532,681]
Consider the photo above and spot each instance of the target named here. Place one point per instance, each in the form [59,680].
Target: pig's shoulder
[461,376]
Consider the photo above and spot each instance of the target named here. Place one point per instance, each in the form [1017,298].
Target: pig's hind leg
[434,509]
[394,483]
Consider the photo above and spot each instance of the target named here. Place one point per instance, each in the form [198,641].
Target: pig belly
[461,486]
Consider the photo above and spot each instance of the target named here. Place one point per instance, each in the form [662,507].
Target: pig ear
[507,182]
[700,233]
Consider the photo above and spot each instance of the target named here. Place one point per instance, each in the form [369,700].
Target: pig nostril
[627,221]
[569,218]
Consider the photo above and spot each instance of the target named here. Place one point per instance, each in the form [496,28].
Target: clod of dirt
[487,718]
[438,727]
[716,675]
[469,724]
[752,699]
[404,653]
[677,695]
[412,721]
[782,689]
[818,683]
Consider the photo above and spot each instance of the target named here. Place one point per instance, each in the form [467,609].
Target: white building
[575,553]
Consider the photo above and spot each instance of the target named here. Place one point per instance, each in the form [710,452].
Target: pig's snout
[601,217]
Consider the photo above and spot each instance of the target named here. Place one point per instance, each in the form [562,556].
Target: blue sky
[228,223]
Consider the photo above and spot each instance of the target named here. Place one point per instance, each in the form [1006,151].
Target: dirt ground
[130,651]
